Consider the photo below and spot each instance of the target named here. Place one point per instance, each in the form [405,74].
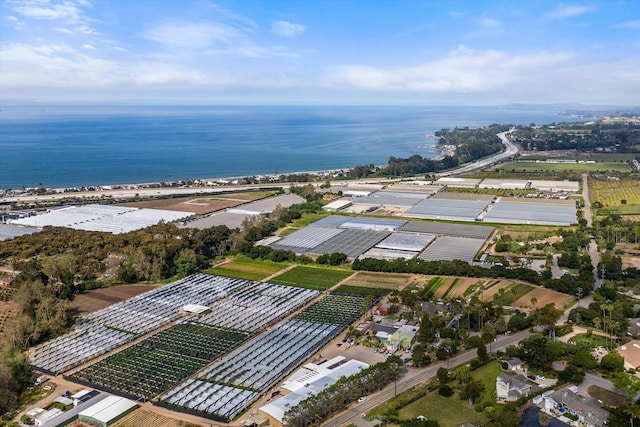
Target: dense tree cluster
[346,390]
[41,315]
[472,143]
[585,137]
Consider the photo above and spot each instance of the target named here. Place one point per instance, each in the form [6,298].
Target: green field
[451,287]
[360,290]
[564,167]
[311,277]
[452,411]
[515,291]
[247,268]
[434,283]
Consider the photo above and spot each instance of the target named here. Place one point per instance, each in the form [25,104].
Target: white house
[510,388]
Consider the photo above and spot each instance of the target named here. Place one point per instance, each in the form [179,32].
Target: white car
[362,399]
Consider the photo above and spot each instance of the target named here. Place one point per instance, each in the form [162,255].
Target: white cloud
[64,31]
[88,46]
[192,35]
[287,29]
[49,9]
[563,11]
[464,71]
[12,18]
[490,22]
[635,24]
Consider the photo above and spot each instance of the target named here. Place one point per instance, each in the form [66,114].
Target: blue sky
[428,52]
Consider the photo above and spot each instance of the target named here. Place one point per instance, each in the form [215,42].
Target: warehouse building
[456,182]
[508,184]
[310,379]
[108,411]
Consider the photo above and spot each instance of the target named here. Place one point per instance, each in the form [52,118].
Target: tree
[472,391]
[535,351]
[443,375]
[612,362]
[584,359]
[543,419]
[629,384]
[633,411]
[463,374]
[419,356]
[482,353]
[548,316]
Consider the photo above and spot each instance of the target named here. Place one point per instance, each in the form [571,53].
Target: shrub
[445,390]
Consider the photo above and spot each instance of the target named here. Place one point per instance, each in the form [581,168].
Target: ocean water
[75,146]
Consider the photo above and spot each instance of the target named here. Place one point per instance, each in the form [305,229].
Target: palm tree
[543,419]
[633,411]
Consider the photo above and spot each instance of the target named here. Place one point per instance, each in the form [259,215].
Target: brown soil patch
[7,311]
[378,280]
[444,287]
[607,397]
[492,289]
[544,297]
[199,206]
[463,285]
[98,299]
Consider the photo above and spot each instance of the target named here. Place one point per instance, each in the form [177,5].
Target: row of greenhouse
[235,303]
[227,387]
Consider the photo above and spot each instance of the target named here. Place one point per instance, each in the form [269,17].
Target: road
[414,377]
[511,150]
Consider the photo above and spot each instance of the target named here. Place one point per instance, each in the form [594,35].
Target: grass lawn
[514,292]
[570,167]
[452,411]
[247,268]
[595,340]
[311,277]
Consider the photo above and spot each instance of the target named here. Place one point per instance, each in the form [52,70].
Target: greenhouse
[227,387]
[449,248]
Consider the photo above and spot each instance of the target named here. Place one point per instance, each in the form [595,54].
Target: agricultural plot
[310,277]
[247,269]
[464,287]
[227,387]
[611,193]
[566,167]
[151,366]
[361,290]
[389,281]
[144,418]
[542,297]
[434,284]
[443,287]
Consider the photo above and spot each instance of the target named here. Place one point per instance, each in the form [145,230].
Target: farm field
[391,281]
[7,310]
[142,418]
[566,167]
[610,194]
[543,297]
[361,290]
[247,269]
[310,277]
[201,205]
[98,299]
[151,366]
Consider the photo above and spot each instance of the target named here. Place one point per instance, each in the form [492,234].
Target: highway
[511,150]
[414,377]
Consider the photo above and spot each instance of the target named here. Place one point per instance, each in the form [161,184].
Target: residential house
[510,388]
[631,354]
[588,410]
